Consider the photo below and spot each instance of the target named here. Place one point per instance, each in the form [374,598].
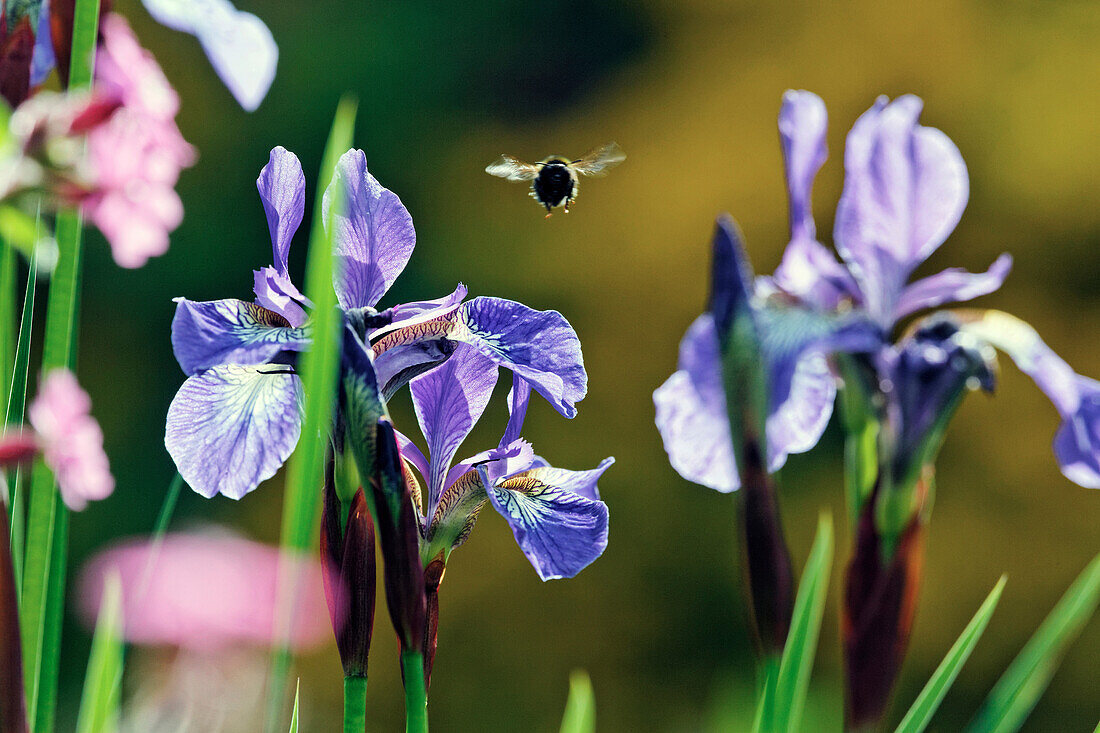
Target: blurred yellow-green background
[690,90]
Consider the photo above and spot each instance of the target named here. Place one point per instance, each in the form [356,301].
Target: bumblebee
[555,181]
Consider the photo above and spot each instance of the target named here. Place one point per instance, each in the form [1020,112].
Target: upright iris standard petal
[449,400]
[374,234]
[539,346]
[282,187]
[953,285]
[240,47]
[802,123]
[232,426]
[691,412]
[561,532]
[1077,398]
[230,331]
[905,188]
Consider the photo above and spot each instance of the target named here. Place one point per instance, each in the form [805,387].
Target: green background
[690,90]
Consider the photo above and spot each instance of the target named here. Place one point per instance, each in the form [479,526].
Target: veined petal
[560,531]
[802,123]
[374,233]
[230,331]
[518,399]
[905,189]
[282,187]
[456,513]
[240,47]
[1077,398]
[449,400]
[405,311]
[231,427]
[579,482]
[952,285]
[539,346]
[276,292]
[412,453]
[500,462]
[691,412]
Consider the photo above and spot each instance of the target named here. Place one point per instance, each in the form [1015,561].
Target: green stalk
[7,312]
[355,704]
[416,694]
[42,601]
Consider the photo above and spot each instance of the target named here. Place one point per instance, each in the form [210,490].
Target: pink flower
[70,440]
[205,591]
[135,157]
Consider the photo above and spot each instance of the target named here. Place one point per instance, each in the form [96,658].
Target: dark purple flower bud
[880,600]
[433,576]
[399,533]
[348,569]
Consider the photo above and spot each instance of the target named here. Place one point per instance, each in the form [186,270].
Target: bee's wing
[599,160]
[512,169]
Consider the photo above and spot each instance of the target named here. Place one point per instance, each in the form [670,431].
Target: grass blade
[8,271]
[793,681]
[294,714]
[1025,680]
[103,682]
[929,699]
[765,704]
[580,708]
[42,599]
[318,375]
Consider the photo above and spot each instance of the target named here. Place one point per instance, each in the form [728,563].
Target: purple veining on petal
[449,400]
[277,293]
[230,331]
[411,453]
[561,532]
[231,427]
[282,187]
[374,233]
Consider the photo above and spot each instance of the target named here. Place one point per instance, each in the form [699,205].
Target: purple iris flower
[692,414]
[556,515]
[236,418]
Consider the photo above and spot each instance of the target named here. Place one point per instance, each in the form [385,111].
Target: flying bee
[555,180]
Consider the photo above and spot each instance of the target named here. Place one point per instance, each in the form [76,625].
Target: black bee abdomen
[554,185]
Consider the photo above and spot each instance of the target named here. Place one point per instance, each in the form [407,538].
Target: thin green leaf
[8,271]
[765,704]
[16,404]
[926,704]
[1025,680]
[793,682]
[42,601]
[318,375]
[103,682]
[294,714]
[580,708]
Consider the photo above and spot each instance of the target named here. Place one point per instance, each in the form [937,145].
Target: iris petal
[282,187]
[952,285]
[230,331]
[233,426]
[560,531]
[374,233]
[802,123]
[240,47]
[905,188]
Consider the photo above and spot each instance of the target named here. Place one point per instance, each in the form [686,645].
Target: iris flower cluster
[236,419]
[856,323]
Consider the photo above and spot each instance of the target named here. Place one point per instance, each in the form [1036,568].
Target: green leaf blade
[580,707]
[793,681]
[1023,683]
[103,682]
[929,699]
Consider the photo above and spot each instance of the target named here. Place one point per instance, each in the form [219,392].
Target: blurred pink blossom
[70,439]
[135,157]
[204,592]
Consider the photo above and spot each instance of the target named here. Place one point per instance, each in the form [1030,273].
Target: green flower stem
[355,704]
[416,694]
